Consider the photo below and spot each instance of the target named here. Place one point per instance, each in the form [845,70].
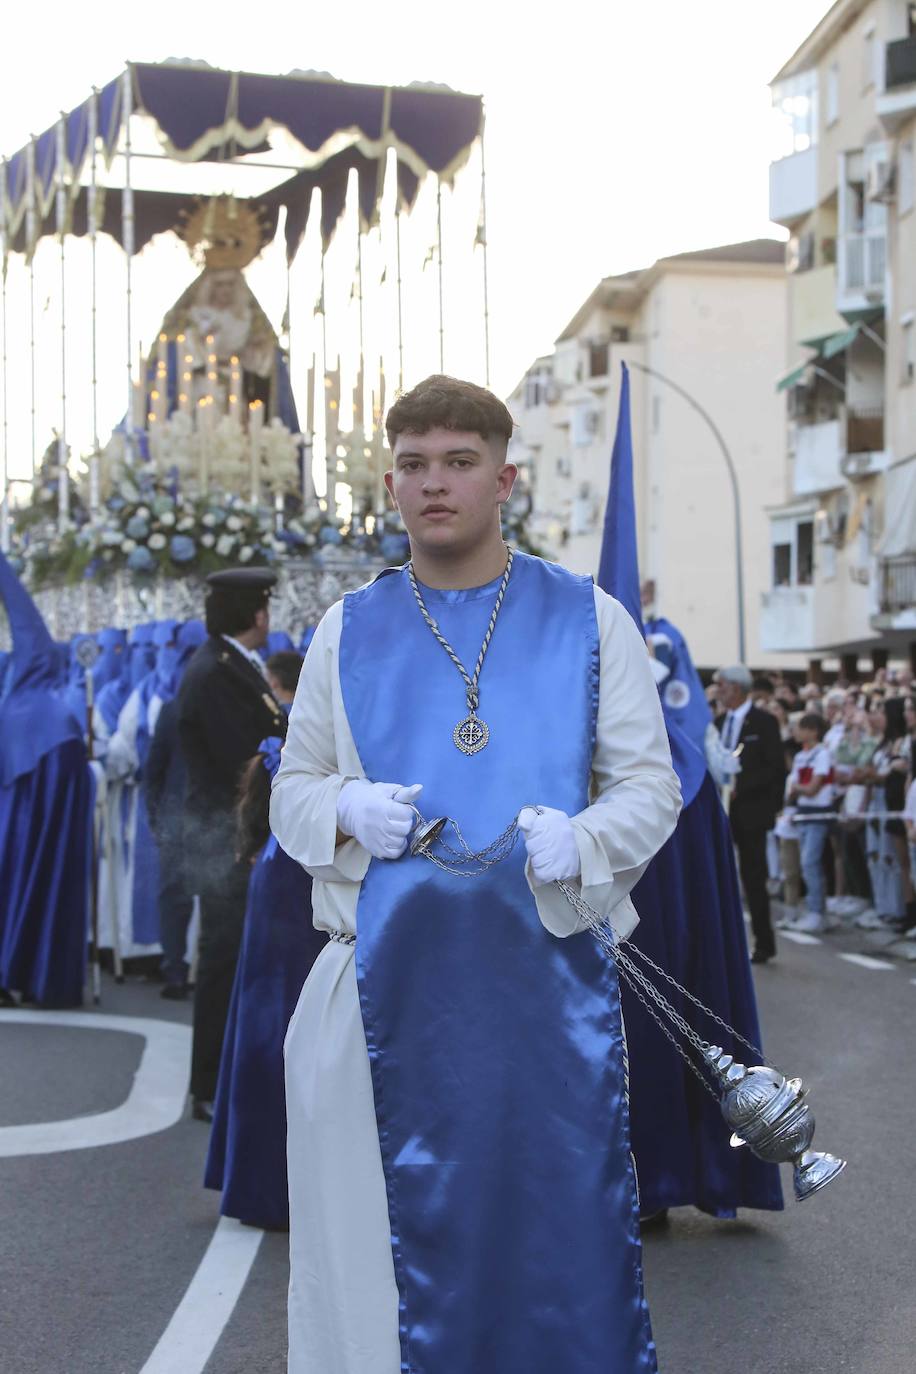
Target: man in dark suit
[225,709]
[757,795]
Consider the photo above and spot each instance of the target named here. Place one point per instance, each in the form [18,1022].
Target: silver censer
[766,1111]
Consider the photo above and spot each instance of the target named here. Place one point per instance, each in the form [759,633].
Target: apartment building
[713,323]
[843,538]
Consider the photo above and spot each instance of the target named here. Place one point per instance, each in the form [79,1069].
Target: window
[804,553]
[908,350]
[564,467]
[832,111]
[905,177]
[598,360]
[782,565]
[795,112]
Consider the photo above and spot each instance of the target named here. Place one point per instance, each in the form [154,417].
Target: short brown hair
[448,403]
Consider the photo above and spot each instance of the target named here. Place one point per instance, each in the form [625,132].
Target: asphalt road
[101,1247]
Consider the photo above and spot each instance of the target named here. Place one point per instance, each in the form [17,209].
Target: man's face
[731,695]
[261,627]
[448,486]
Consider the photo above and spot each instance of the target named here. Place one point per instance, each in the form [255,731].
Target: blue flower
[116,503]
[329,535]
[137,527]
[182,548]
[140,560]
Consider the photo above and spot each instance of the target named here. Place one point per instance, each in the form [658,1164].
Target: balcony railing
[900,63]
[898,585]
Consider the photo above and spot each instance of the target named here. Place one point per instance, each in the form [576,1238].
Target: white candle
[203,445]
[235,389]
[255,425]
[308,484]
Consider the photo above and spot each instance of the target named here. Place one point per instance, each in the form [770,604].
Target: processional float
[239,432]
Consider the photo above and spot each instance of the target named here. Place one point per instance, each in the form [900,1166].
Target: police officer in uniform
[225,709]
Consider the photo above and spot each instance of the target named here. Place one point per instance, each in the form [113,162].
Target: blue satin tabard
[496,1048]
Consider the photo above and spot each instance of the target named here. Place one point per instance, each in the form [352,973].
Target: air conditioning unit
[879,181]
[853,465]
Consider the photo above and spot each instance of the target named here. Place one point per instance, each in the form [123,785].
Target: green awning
[838,343]
[794,377]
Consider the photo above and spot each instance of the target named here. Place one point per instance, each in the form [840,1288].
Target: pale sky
[615,134]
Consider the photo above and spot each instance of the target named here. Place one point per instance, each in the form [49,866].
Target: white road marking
[155,1102]
[801,937]
[198,1322]
[866,961]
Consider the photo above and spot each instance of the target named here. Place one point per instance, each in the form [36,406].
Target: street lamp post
[736,496]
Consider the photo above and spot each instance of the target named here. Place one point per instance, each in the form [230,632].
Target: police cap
[243,579]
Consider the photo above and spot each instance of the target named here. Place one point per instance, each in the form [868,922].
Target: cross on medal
[471,734]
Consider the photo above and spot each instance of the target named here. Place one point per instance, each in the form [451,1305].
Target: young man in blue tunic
[462,1199]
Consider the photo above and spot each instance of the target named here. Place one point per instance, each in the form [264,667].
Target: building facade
[842,552]
[712,323]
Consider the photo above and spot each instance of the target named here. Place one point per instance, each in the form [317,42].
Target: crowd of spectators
[843,848]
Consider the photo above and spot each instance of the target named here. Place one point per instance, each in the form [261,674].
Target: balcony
[812,297]
[861,266]
[816,450]
[787,620]
[898,100]
[793,186]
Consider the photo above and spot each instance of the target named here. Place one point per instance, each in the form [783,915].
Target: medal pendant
[471,734]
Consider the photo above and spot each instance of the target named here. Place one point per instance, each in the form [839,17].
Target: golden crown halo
[223,232]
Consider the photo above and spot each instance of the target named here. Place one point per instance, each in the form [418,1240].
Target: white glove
[376,814]
[551,844]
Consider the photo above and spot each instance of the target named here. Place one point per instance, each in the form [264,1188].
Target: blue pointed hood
[618,568]
[33,719]
[618,575]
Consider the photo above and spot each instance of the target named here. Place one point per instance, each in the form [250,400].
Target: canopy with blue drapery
[202,113]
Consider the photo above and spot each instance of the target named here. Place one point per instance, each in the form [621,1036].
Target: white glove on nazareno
[551,844]
[376,814]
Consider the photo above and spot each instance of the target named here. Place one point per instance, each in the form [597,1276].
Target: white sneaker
[835,905]
[852,906]
[869,920]
[788,918]
[809,923]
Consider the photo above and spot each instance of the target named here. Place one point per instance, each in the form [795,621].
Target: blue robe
[247,1155]
[691,923]
[46,800]
[495,1048]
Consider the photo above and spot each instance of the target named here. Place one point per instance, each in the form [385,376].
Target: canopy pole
[439,255]
[63,472]
[330,458]
[127,239]
[397,228]
[94,500]
[482,240]
[5,487]
[30,250]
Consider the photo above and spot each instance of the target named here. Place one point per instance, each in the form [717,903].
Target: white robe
[343,1305]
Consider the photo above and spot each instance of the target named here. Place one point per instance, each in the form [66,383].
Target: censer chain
[468,863]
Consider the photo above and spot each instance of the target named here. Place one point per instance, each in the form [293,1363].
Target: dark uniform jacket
[225,709]
[759,787]
[164,778]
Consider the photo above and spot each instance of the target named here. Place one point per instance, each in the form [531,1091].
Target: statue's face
[222,290]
